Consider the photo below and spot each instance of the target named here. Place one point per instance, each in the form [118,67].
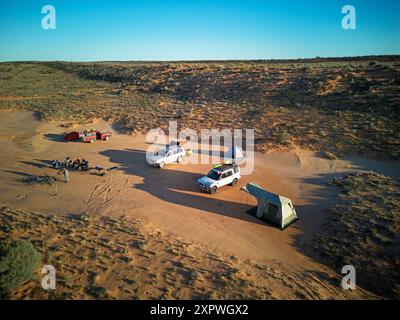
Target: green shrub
[19,261]
[284,138]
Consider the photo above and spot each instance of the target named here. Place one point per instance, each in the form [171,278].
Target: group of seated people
[78,164]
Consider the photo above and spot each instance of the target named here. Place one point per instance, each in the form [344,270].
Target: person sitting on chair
[77,163]
[84,164]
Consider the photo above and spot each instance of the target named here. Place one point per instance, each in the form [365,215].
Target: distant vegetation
[334,105]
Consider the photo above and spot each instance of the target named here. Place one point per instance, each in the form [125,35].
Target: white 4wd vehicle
[169,155]
[220,176]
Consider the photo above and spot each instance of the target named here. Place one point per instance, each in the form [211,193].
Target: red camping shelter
[74,135]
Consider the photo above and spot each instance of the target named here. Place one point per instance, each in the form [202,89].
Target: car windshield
[161,152]
[214,175]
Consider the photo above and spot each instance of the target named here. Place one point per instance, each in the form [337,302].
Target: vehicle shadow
[173,186]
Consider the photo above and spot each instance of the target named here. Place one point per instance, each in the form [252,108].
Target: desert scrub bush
[97,292]
[284,138]
[19,261]
[193,276]
[141,244]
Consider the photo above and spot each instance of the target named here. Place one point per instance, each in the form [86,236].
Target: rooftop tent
[271,207]
[236,154]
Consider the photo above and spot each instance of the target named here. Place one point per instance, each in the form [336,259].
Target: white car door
[221,181]
[229,177]
[175,155]
[169,157]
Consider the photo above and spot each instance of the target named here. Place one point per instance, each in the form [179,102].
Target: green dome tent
[272,208]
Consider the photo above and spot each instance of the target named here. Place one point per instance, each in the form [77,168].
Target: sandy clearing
[169,198]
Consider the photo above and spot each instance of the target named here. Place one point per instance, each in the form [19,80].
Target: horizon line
[332,58]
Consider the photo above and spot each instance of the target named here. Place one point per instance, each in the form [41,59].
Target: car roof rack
[225,166]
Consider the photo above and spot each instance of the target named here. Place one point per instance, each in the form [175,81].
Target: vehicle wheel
[91,140]
[234,182]
[161,164]
[180,159]
[213,190]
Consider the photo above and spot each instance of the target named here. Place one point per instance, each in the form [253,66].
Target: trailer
[93,135]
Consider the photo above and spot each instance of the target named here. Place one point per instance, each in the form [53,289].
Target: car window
[213,175]
[224,175]
[229,173]
[169,154]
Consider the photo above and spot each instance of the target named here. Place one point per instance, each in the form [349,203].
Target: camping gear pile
[39,180]
[79,165]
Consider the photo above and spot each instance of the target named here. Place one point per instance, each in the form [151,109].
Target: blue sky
[196,30]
